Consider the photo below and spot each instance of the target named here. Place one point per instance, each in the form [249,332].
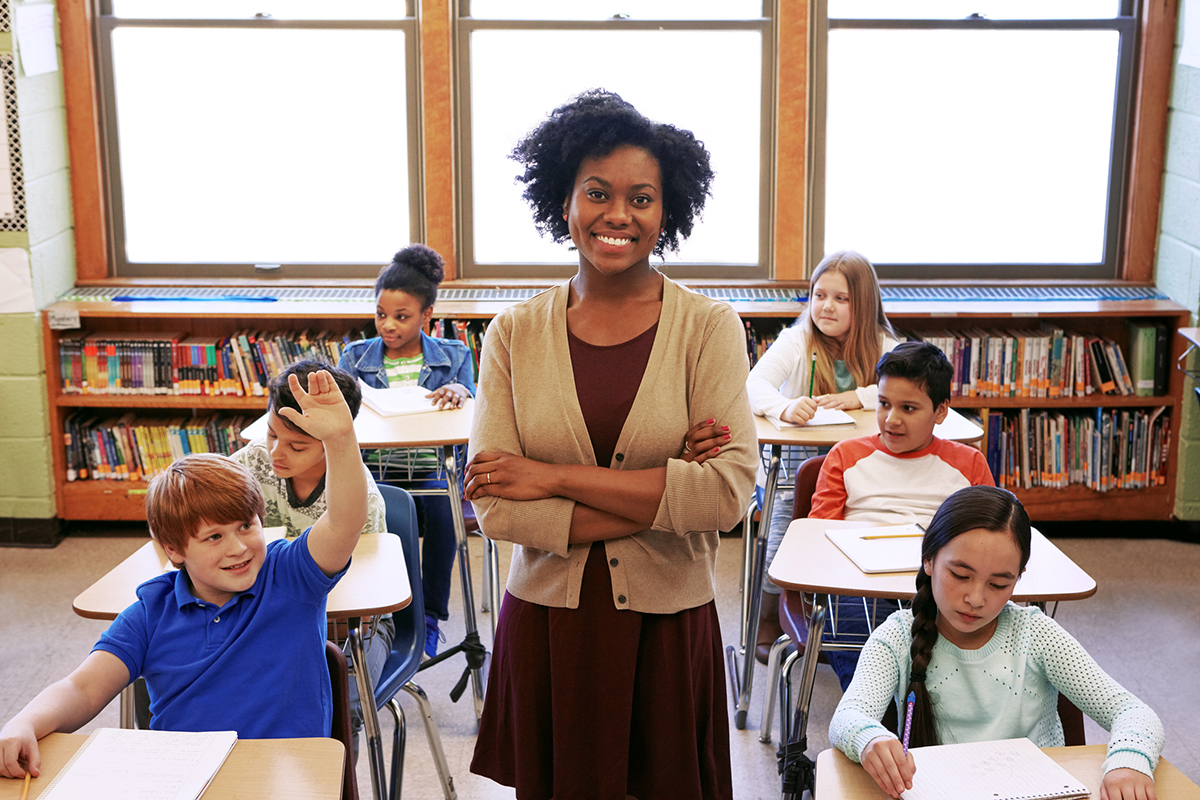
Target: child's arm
[829,496]
[326,417]
[884,760]
[63,706]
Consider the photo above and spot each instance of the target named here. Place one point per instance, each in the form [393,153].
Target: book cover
[1142,338]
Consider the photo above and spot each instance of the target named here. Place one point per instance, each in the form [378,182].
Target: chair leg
[747,562]
[435,739]
[399,738]
[773,667]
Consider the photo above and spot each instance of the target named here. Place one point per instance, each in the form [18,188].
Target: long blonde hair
[868,324]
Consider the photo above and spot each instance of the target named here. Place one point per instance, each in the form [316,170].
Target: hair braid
[925,635]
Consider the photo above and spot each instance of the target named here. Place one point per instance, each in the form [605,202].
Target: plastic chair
[343,731]
[407,647]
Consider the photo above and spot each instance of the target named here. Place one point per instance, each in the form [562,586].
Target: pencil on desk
[25,788]
[896,536]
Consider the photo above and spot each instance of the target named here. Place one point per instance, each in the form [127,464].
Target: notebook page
[822,416]
[1011,769]
[118,764]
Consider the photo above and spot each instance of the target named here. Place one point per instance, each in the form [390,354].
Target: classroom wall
[26,488]
[1177,266]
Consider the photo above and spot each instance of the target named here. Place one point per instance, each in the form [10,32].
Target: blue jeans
[853,626]
[438,546]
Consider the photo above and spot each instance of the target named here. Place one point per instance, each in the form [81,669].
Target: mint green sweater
[1006,689]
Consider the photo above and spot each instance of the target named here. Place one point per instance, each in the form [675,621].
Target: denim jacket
[443,361]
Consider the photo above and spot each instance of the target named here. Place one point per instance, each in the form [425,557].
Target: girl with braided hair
[982,668]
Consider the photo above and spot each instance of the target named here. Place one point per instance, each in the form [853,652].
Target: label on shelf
[63,320]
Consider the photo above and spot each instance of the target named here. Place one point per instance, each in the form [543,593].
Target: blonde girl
[980,667]
[845,328]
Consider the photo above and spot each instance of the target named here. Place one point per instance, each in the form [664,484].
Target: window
[973,139]
[244,138]
[704,66]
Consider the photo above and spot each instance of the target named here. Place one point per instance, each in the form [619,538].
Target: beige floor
[1143,626]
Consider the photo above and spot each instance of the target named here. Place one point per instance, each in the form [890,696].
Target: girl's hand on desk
[800,411]
[884,760]
[703,441]
[842,401]
[19,747]
[452,395]
[1127,784]
[508,476]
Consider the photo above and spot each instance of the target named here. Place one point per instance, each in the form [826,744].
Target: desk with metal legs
[754,553]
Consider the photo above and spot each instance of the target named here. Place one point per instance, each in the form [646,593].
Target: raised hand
[326,414]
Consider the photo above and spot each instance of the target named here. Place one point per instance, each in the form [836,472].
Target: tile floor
[1143,626]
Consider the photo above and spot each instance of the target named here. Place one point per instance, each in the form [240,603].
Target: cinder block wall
[1177,270]
[26,489]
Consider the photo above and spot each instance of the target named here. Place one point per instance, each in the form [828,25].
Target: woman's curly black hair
[593,125]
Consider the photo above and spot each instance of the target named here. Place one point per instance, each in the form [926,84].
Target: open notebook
[397,400]
[824,416]
[884,548]
[1010,769]
[141,765]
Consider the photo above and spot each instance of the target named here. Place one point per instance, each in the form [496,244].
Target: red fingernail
[709,422]
[727,437]
[716,450]
[725,427]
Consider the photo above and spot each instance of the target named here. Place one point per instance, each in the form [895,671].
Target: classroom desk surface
[839,778]
[808,561]
[431,429]
[376,583]
[265,769]
[956,428]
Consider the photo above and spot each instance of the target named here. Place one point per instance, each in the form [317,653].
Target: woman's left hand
[508,476]
[704,440]
[1127,784]
[452,395]
[843,401]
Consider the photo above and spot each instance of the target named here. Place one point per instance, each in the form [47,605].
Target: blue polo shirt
[256,665]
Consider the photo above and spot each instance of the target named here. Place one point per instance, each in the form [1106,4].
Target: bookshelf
[124,500]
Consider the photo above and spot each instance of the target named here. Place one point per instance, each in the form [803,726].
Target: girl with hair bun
[612,443]
[982,668]
[404,355]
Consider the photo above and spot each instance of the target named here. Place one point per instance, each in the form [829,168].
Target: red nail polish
[709,422]
[725,428]
[716,450]
[727,437]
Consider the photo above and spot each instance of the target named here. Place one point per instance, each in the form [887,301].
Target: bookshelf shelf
[125,500]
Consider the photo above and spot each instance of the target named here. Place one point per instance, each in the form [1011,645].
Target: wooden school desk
[376,583]
[446,430]
[754,547]
[809,563]
[840,778]
[265,769]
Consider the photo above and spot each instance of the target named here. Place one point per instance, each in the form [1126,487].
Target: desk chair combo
[407,647]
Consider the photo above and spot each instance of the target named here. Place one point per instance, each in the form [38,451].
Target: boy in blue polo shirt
[235,640]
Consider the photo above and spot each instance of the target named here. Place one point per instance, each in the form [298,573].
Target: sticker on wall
[12,178]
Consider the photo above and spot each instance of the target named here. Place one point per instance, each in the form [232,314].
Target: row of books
[469,332]
[1103,448]
[175,363]
[126,447]
[759,339]
[1050,362]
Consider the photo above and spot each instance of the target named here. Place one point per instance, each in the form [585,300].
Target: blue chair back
[408,645]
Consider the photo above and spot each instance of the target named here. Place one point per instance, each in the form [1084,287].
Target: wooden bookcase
[124,500]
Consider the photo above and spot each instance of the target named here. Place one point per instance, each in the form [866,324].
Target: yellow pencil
[896,536]
[25,788]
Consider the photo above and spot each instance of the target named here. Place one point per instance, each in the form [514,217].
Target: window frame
[105,23]
[1120,177]
[465,25]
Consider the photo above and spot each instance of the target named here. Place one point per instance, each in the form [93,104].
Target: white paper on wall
[1189,53]
[35,38]
[16,281]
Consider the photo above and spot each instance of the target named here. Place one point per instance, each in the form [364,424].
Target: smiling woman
[613,488]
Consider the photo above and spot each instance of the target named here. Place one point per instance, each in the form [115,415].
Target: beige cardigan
[527,404]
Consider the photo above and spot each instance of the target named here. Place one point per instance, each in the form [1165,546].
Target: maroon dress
[598,703]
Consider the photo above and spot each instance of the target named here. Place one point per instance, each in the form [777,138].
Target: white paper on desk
[1010,769]
[35,38]
[824,416]
[884,548]
[396,400]
[142,765]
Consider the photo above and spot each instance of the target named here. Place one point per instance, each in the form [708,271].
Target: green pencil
[812,374]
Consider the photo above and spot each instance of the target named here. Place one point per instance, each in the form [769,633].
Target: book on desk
[395,401]
[884,548]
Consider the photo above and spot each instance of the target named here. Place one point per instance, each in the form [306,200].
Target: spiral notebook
[1009,769]
[126,764]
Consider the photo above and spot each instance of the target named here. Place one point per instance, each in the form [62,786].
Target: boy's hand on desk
[326,414]
[800,411]
[884,760]
[508,476]
[452,395]
[704,440]
[842,401]
[1127,784]
[18,748]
